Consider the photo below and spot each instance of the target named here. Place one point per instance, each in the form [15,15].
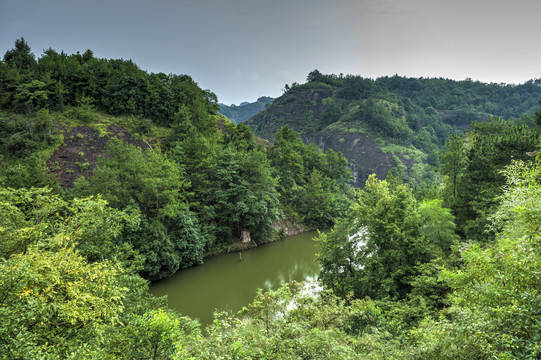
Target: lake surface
[226,283]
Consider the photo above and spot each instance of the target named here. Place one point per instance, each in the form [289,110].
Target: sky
[244,49]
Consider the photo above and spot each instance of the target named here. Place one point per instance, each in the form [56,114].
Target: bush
[21,136]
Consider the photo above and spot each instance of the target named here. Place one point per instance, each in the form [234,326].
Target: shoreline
[281,230]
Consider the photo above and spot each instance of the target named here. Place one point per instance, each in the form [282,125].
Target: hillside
[155,146]
[244,111]
[111,177]
[392,123]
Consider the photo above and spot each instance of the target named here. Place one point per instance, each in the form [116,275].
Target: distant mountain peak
[245,110]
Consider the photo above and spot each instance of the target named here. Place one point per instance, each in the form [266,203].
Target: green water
[226,283]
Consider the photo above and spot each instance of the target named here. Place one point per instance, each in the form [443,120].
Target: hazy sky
[244,49]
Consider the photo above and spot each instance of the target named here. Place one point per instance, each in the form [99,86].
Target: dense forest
[111,177]
[201,182]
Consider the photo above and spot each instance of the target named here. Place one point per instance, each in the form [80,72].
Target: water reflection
[226,283]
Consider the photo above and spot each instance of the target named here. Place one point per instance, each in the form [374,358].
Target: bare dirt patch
[82,147]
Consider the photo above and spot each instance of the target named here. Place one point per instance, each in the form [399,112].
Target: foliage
[438,226]
[22,136]
[26,172]
[313,185]
[55,302]
[21,56]
[56,80]
[292,322]
[33,215]
[495,300]
[245,194]
[375,252]
[383,119]
[453,160]
[154,335]
[70,261]
[410,112]
[147,182]
[472,164]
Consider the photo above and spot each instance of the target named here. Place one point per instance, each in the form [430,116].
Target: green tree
[257,170]
[31,96]
[286,157]
[10,79]
[317,203]
[438,226]
[376,252]
[356,88]
[244,196]
[489,147]
[495,299]
[154,335]
[53,299]
[314,76]
[198,155]
[147,182]
[453,161]
[21,56]
[307,176]
[293,322]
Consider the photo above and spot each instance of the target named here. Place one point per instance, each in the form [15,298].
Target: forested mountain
[154,145]
[391,123]
[244,111]
[110,176]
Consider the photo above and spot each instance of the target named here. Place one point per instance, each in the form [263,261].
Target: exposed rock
[301,110]
[288,228]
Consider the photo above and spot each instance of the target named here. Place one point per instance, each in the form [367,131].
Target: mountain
[393,123]
[245,110]
[154,145]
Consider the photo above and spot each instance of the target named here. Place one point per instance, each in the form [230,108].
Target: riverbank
[280,230]
[287,228]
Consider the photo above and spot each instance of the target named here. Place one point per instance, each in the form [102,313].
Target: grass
[72,117]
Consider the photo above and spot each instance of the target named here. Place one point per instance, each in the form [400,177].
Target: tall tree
[453,161]
[495,303]
[244,196]
[375,252]
[20,57]
[148,182]
[438,226]
[476,179]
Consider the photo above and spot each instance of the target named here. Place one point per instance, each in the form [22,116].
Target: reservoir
[225,282]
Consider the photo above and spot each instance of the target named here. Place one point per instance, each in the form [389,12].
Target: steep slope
[82,146]
[308,109]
